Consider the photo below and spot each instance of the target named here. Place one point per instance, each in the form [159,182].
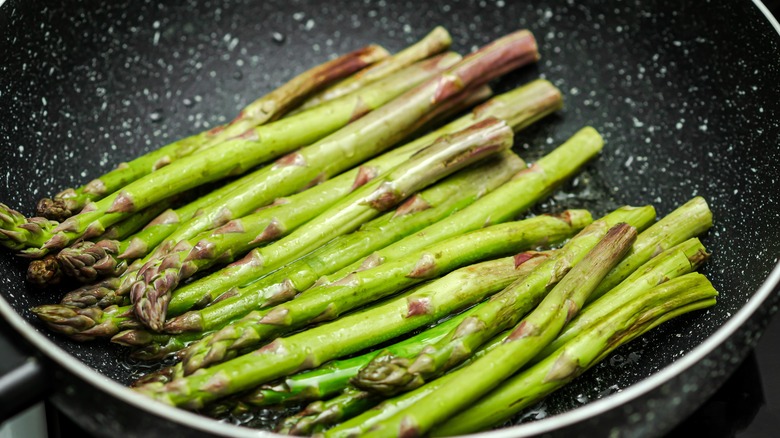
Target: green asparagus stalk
[350,334]
[674,262]
[535,331]
[87,261]
[328,301]
[88,323]
[385,127]
[422,209]
[626,321]
[101,294]
[16,230]
[511,199]
[689,220]
[436,41]
[318,415]
[458,190]
[519,107]
[239,154]
[266,109]
[333,377]
[443,157]
[351,402]
[111,256]
[272,222]
[388,375]
[266,183]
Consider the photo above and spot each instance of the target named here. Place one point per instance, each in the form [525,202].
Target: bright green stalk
[436,41]
[672,263]
[263,110]
[88,323]
[270,182]
[237,155]
[328,301]
[689,220]
[388,375]
[445,156]
[422,209]
[624,323]
[327,380]
[320,414]
[519,108]
[503,204]
[531,335]
[350,334]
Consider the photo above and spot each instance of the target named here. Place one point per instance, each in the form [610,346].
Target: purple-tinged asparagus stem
[447,155]
[519,108]
[352,333]
[266,109]
[534,332]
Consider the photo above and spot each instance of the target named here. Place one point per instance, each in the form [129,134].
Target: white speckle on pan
[680,124]
[234,42]
[309,24]
[298,16]
[629,161]
[156,38]
[637,123]
[21,149]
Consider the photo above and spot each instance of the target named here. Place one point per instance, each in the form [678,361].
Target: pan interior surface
[684,97]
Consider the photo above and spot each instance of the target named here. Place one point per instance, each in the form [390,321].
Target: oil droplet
[237,75]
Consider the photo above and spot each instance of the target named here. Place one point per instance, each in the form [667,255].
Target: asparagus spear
[672,263]
[344,336]
[101,294]
[436,41]
[266,109]
[388,125]
[389,375]
[267,183]
[333,377]
[422,209]
[626,321]
[689,220]
[519,108]
[443,157]
[531,335]
[86,324]
[458,190]
[327,301]
[86,261]
[241,153]
[109,257]
[316,416]
[321,414]
[514,197]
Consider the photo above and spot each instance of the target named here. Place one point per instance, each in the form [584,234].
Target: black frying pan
[685,95]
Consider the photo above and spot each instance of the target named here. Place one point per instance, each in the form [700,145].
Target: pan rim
[127,395]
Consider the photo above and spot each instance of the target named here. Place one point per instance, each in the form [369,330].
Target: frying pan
[684,94]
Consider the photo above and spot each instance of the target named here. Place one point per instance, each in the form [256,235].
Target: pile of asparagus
[277,288]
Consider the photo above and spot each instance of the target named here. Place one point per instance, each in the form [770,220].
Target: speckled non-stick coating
[685,96]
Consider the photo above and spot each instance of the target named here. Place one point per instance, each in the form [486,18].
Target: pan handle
[23,379]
